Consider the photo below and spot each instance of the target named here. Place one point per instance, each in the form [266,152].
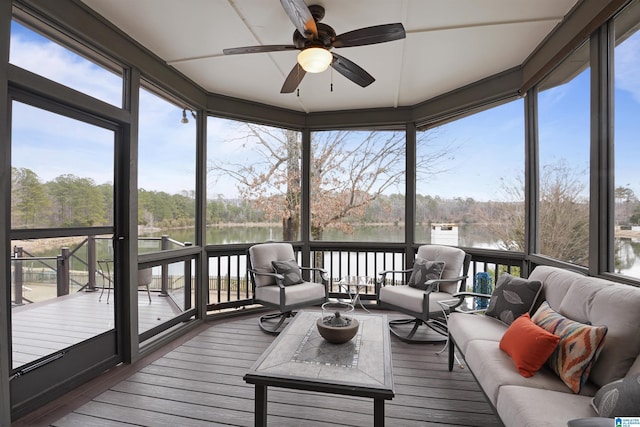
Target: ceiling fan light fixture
[315,59]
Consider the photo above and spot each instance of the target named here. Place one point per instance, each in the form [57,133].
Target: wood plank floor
[43,328]
[199,383]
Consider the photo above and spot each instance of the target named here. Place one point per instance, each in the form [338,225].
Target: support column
[5,214]
[410,194]
[602,186]
[531,177]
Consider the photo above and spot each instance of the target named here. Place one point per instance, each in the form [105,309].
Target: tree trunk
[291,210]
[290,227]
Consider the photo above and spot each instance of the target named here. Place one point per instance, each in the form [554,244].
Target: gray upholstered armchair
[278,283]
[438,273]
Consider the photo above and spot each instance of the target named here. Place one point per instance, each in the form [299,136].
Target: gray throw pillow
[512,297]
[424,270]
[290,270]
[619,398]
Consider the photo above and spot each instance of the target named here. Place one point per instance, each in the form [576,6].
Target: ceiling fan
[315,40]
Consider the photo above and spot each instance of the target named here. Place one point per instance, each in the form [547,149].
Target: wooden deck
[45,327]
[198,382]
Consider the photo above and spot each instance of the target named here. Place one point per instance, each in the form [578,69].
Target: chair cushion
[261,256]
[579,346]
[453,259]
[408,298]
[295,295]
[512,297]
[620,398]
[528,345]
[290,270]
[423,271]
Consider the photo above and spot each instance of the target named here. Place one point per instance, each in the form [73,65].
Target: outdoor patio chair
[105,271]
[437,274]
[145,277]
[278,282]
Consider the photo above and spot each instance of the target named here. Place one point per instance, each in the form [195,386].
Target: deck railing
[230,285]
[88,255]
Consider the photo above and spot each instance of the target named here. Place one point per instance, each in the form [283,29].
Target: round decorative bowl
[337,324]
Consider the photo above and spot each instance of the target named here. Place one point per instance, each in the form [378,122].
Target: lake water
[477,236]
[467,236]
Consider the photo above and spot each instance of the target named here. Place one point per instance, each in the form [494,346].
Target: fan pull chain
[331,79]
[298,93]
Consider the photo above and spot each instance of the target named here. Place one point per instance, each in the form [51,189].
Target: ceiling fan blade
[370,35]
[301,17]
[258,49]
[293,79]
[350,70]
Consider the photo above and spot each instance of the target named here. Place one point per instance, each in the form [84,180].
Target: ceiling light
[315,59]
[184,117]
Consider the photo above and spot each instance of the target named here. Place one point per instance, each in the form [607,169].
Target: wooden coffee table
[300,358]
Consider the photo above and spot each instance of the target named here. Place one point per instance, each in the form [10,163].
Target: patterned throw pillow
[290,270]
[619,398]
[512,297]
[578,349]
[424,270]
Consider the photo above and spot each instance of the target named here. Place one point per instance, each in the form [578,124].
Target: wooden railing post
[18,278]
[164,245]
[91,261]
[187,281]
[62,273]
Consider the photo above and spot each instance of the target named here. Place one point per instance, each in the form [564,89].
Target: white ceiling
[449,43]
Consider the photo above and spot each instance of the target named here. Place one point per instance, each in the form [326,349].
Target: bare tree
[563,215]
[625,198]
[349,170]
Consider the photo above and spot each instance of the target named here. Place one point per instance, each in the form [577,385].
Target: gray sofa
[543,399]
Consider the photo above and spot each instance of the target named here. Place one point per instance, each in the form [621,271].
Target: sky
[489,145]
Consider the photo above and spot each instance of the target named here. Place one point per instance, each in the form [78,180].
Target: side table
[349,283]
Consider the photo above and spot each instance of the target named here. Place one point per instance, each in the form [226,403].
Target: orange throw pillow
[528,345]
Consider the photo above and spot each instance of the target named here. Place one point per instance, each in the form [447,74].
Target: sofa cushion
[556,282]
[528,345]
[598,302]
[635,368]
[578,348]
[534,407]
[512,297]
[465,327]
[620,398]
[616,306]
[290,270]
[423,271]
[494,369]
